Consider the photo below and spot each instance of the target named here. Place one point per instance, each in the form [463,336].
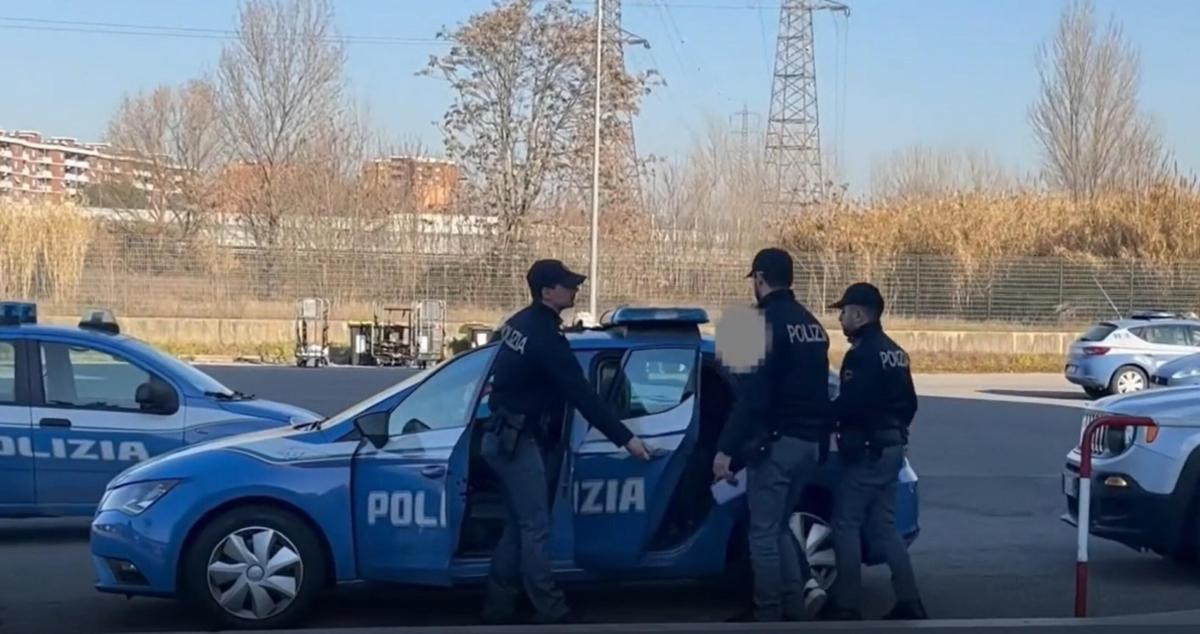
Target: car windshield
[354,410]
[1098,332]
[185,371]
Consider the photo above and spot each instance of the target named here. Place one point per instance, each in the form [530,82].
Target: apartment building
[431,184]
[61,167]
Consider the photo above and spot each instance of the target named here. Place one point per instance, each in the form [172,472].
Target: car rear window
[1098,332]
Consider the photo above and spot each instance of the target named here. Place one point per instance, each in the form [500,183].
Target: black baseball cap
[550,273]
[774,263]
[861,294]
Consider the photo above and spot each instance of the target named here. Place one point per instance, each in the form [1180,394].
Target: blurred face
[560,297]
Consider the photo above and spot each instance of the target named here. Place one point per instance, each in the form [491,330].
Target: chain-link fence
[145,277]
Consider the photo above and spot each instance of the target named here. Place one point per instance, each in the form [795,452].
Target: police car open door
[409,495]
[620,500]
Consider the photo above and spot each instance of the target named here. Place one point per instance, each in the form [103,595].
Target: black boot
[907,611]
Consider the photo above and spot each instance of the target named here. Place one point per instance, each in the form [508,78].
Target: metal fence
[149,278]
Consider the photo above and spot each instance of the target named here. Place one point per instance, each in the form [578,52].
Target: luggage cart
[312,332]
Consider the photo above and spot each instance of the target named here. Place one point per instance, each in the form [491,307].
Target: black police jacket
[788,392]
[535,371]
[877,390]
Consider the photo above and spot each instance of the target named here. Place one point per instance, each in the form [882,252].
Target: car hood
[271,410]
[278,444]
[1175,406]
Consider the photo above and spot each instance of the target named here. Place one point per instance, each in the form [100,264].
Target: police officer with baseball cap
[534,373]
[782,416]
[875,406]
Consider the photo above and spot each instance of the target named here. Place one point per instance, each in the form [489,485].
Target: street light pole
[594,282]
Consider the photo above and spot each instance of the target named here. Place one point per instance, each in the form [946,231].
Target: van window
[1098,332]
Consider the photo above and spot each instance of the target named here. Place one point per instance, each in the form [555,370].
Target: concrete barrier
[234,332]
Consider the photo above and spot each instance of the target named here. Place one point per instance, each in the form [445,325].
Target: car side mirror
[373,427]
[156,396]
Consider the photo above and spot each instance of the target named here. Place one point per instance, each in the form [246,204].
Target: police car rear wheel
[254,568]
[816,536]
[1128,379]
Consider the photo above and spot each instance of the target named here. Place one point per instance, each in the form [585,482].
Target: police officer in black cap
[875,406]
[534,373]
[782,416]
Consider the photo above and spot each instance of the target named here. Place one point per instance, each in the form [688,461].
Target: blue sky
[953,74]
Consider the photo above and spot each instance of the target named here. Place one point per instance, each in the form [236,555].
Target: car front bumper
[1128,515]
[139,555]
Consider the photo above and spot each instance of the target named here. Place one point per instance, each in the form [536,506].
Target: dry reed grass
[45,244]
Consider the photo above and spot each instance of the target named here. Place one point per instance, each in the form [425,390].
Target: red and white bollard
[1083,522]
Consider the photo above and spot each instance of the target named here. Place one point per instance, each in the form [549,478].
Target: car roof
[614,339]
[1134,323]
[86,334]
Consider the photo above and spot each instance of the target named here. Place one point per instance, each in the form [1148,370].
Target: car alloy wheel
[1130,381]
[255,572]
[816,536]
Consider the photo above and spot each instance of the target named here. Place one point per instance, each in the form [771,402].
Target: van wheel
[1127,379]
[254,568]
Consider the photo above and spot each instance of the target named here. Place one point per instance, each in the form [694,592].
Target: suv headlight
[134,499]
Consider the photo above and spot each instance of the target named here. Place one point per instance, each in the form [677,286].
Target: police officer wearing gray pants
[534,373]
[781,416]
[875,406]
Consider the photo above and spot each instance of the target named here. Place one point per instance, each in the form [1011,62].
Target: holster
[508,428]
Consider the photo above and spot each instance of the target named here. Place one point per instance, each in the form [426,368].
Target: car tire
[1126,380]
[818,547]
[229,548]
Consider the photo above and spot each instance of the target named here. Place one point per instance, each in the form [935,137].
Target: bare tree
[168,141]
[1086,118]
[521,78]
[922,172]
[280,87]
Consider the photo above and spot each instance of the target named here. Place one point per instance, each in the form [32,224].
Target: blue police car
[79,405]
[251,528]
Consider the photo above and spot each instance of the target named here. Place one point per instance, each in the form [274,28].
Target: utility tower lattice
[793,127]
[620,177]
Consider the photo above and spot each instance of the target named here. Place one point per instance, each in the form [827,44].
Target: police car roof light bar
[629,315]
[101,319]
[17,313]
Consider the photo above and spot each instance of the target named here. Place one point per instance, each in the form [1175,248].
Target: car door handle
[54,422]
[433,471]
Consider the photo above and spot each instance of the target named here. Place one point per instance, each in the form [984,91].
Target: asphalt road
[992,545]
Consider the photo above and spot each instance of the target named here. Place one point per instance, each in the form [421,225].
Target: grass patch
[984,363]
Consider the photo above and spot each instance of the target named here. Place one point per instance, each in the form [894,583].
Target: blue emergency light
[630,316]
[16,313]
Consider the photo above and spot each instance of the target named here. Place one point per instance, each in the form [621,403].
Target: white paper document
[723,491]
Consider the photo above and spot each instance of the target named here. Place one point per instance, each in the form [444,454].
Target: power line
[112,28]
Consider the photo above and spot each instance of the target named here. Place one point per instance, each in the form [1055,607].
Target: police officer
[534,372]
[781,418]
[875,406]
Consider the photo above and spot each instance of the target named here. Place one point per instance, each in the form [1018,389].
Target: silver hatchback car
[1120,356]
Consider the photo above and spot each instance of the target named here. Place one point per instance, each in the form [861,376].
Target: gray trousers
[523,555]
[773,489]
[865,508]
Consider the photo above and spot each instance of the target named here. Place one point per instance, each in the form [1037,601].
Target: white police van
[79,405]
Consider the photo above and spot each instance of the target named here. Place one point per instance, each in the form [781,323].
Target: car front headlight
[1187,373]
[134,499]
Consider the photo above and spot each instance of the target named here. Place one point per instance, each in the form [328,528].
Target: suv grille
[1107,441]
